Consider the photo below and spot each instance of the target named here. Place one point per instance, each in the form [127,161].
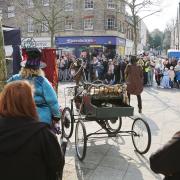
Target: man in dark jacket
[166,160]
[29,151]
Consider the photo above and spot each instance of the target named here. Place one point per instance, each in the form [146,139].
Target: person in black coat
[28,148]
[166,160]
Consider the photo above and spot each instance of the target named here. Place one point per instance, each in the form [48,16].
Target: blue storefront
[76,44]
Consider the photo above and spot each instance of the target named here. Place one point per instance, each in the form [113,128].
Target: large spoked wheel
[113,126]
[67,122]
[80,140]
[141,136]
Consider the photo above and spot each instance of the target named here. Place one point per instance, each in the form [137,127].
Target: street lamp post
[3,70]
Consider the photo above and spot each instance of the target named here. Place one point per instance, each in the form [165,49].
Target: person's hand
[56,126]
[61,110]
[55,120]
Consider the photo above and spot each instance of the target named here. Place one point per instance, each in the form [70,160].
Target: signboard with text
[35,42]
[89,40]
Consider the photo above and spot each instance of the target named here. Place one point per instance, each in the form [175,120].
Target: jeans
[150,77]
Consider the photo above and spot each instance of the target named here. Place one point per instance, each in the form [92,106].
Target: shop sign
[32,42]
[98,40]
[28,43]
[81,41]
[121,41]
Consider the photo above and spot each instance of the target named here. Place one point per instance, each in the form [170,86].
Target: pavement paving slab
[115,158]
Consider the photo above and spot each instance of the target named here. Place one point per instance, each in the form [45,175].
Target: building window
[130,34]
[120,26]
[30,25]
[45,2]
[44,26]
[110,24]
[68,24]
[123,28]
[122,7]
[30,3]
[111,4]
[68,5]
[88,24]
[88,4]
[11,11]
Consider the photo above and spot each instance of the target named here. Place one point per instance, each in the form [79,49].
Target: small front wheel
[113,126]
[141,136]
[80,140]
[67,122]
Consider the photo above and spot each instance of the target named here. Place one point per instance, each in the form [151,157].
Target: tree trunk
[135,32]
[134,26]
[3,70]
[52,39]
[135,40]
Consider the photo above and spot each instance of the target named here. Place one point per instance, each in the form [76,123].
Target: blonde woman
[44,95]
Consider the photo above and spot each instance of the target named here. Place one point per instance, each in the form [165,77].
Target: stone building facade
[76,18]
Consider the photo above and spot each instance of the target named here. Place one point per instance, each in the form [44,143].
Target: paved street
[115,158]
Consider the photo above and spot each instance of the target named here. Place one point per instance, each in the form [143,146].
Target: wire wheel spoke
[80,140]
[67,122]
[142,136]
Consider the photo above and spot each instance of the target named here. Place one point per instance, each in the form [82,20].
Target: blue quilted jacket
[44,96]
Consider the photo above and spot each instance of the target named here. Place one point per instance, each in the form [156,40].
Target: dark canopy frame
[12,36]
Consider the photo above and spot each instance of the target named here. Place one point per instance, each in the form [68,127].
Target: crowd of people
[29,106]
[111,71]
[166,72]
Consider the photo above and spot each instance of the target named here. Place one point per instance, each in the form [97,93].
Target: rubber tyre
[67,131]
[137,136]
[81,155]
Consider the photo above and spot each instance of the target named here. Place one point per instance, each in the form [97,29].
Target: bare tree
[49,15]
[148,7]
[3,70]
[167,35]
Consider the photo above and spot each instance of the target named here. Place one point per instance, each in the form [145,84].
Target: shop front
[108,45]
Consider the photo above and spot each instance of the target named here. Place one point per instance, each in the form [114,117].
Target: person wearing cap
[44,95]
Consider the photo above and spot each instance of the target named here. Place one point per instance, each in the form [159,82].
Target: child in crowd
[165,79]
[158,72]
[171,76]
[111,66]
[177,74]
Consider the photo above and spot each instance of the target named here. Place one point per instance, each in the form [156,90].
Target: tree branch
[148,15]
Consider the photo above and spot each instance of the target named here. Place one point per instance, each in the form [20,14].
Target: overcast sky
[169,12]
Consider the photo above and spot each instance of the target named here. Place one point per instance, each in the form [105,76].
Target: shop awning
[12,36]
[89,40]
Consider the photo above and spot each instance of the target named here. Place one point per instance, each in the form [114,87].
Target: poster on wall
[120,50]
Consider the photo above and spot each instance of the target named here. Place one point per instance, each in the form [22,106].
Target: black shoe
[140,111]
[66,122]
